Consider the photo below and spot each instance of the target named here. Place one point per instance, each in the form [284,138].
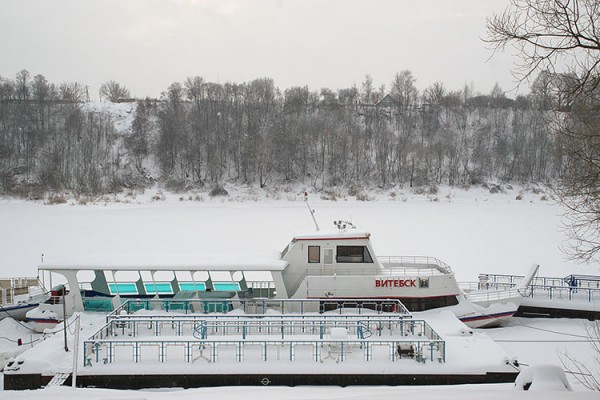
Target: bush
[218,191]
[7,182]
[495,189]
[158,197]
[363,197]
[536,190]
[329,194]
[176,185]
[56,199]
[354,191]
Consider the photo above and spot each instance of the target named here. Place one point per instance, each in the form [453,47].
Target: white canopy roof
[333,234]
[167,261]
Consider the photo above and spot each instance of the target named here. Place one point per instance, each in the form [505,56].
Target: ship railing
[340,306]
[493,295]
[580,281]
[211,351]
[13,290]
[37,291]
[582,294]
[470,286]
[479,286]
[583,288]
[246,326]
[265,340]
[413,265]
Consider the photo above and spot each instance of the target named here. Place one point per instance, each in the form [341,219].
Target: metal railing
[571,288]
[264,306]
[284,325]
[22,288]
[493,295]
[212,351]
[564,293]
[137,339]
[414,265]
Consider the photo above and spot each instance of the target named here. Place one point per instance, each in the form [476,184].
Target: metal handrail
[493,295]
[337,349]
[565,293]
[270,331]
[582,281]
[285,306]
[247,325]
[549,287]
[414,265]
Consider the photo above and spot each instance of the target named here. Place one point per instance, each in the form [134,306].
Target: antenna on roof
[312,212]
[342,225]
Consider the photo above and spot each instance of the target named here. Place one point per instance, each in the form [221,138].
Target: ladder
[58,379]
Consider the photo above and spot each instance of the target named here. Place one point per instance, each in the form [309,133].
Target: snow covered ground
[489,392]
[473,231]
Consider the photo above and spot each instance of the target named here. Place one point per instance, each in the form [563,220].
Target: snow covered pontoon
[336,264]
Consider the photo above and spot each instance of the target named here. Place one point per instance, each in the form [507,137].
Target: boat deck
[172,348]
[574,296]
[12,289]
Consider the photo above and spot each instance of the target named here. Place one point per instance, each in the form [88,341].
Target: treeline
[202,132]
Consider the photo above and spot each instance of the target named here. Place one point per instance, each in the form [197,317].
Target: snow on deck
[467,352]
[457,392]
[334,234]
[168,261]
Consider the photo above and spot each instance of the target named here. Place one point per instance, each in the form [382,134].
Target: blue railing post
[431,344]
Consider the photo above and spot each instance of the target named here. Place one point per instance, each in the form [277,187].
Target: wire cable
[552,331]
[17,321]
[22,343]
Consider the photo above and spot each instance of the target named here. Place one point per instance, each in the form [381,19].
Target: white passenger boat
[342,264]
[328,265]
[18,296]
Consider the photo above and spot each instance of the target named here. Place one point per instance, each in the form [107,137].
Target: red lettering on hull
[395,283]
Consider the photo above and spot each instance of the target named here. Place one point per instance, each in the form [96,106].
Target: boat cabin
[336,264]
[342,264]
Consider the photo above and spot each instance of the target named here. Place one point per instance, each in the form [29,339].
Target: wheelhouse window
[314,254]
[353,254]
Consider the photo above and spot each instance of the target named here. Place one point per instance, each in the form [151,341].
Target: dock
[573,296]
[154,343]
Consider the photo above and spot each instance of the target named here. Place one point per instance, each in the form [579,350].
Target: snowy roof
[168,261]
[333,234]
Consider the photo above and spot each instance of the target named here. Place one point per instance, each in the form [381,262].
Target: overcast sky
[148,44]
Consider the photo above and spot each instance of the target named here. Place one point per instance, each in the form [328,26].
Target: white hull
[476,316]
[45,316]
[16,311]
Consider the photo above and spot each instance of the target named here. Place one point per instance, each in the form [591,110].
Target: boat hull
[486,320]
[45,316]
[16,311]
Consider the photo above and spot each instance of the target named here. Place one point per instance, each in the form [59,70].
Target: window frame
[312,260]
[365,257]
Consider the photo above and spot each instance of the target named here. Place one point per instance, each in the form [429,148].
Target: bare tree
[113,91]
[72,92]
[551,35]
[586,374]
[564,36]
